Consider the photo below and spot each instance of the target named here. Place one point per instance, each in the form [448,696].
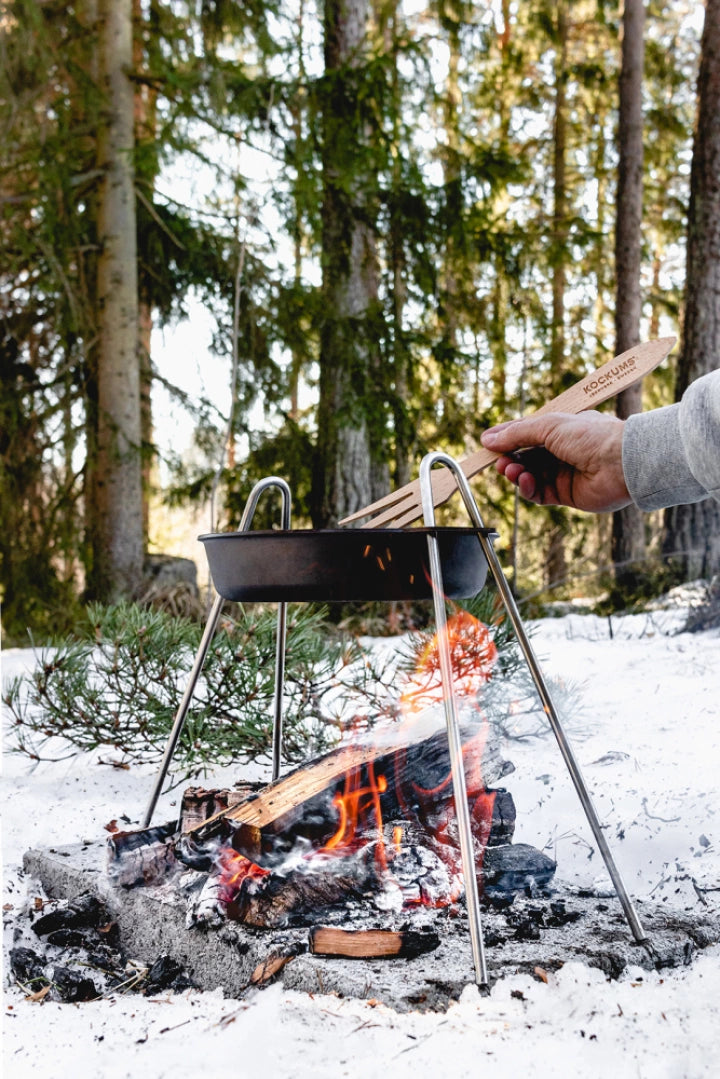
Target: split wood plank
[264,811]
[372,943]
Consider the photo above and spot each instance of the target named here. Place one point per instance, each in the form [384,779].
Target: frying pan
[330,565]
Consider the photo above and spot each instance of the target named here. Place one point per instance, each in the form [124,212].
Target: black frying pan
[303,565]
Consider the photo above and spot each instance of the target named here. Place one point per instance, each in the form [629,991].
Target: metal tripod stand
[453,731]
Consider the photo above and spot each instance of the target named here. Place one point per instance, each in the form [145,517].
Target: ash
[146,942]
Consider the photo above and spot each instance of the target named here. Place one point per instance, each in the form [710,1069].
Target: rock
[516,867]
[165,571]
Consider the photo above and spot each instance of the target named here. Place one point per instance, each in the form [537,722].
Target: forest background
[406,221]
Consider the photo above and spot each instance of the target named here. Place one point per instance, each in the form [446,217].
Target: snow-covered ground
[646,735]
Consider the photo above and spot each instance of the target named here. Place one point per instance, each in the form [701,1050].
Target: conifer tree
[692,533]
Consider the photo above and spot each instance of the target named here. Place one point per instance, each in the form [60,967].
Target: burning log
[405,772]
[142,857]
[372,943]
[270,900]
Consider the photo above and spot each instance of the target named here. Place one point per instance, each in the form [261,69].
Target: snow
[646,737]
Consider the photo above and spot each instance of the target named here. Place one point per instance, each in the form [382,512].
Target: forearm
[671,455]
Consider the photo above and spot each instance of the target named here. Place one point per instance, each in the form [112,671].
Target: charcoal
[83,912]
[166,973]
[493,937]
[503,818]
[104,958]
[27,966]
[560,915]
[527,928]
[68,938]
[516,867]
[71,987]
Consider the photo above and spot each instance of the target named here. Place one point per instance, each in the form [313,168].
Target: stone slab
[519,938]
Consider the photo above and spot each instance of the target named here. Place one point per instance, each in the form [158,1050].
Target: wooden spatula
[403,506]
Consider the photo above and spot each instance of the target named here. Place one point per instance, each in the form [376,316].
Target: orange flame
[235,869]
[359,803]
[354,804]
[472,655]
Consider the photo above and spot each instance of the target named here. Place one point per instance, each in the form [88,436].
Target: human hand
[581,465]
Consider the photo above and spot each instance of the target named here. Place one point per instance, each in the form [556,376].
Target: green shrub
[119,680]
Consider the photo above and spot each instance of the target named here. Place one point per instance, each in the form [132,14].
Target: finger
[518,474]
[528,488]
[513,471]
[517,434]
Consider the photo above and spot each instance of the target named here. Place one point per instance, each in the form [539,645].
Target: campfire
[365,835]
[392,818]
[384,848]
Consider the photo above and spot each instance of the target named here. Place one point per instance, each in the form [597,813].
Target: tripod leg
[182,711]
[457,766]
[565,748]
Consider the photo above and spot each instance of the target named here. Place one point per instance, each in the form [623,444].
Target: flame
[472,655]
[354,804]
[358,802]
[234,870]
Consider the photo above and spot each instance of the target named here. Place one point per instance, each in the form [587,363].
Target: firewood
[412,759]
[141,857]
[372,943]
[198,804]
[278,901]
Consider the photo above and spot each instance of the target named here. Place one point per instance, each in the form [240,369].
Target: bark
[628,538]
[692,533]
[349,469]
[501,291]
[556,568]
[560,217]
[145,130]
[118,555]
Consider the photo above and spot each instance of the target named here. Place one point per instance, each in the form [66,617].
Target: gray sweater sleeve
[671,456]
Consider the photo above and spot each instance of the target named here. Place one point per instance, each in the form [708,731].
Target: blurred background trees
[403,220]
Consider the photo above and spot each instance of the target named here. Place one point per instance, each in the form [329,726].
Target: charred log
[142,857]
[199,804]
[278,900]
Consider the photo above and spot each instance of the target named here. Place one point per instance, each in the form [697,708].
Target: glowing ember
[234,870]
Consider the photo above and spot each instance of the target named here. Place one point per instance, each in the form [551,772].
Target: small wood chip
[267,970]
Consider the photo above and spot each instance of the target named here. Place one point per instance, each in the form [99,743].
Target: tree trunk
[628,538]
[556,569]
[118,553]
[349,467]
[145,131]
[692,533]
